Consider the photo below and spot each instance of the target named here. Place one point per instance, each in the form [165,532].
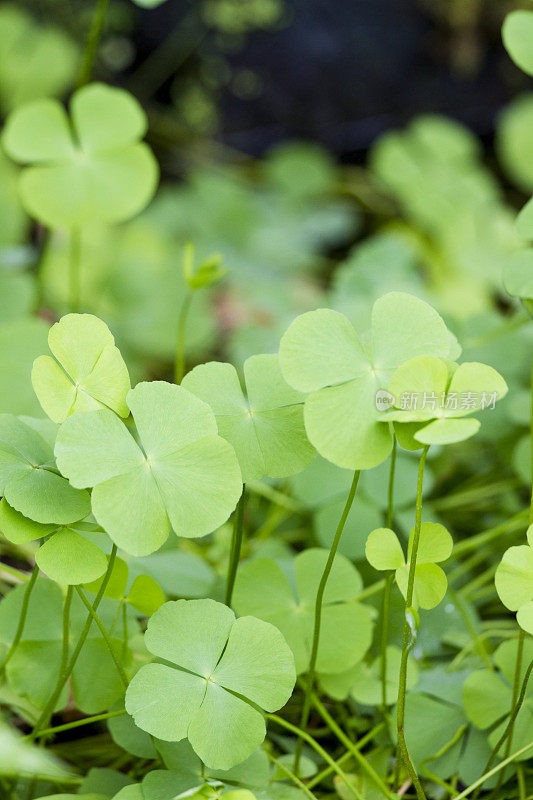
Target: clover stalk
[64,675]
[179,369]
[74,268]
[236,544]
[95,32]
[402,688]
[385,607]
[311,674]
[22,619]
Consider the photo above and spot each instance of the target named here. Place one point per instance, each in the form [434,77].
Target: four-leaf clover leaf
[514,581]
[29,479]
[88,371]
[439,394]
[94,169]
[267,430]
[180,475]
[217,671]
[263,590]
[321,353]
[384,552]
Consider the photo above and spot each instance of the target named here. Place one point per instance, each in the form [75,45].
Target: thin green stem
[63,677]
[345,740]
[359,745]
[294,778]
[105,636]
[63,674]
[179,369]
[20,576]
[236,544]
[80,722]
[516,690]
[93,38]
[385,606]
[510,725]
[22,619]
[402,688]
[311,673]
[490,773]
[482,539]
[74,270]
[303,735]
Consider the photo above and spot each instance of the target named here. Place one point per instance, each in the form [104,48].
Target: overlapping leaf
[267,429]
[66,556]
[29,479]
[221,670]
[321,354]
[98,171]
[86,373]
[514,581]
[263,590]
[439,394]
[363,681]
[182,475]
[384,552]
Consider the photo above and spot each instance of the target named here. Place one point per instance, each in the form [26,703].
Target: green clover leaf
[363,681]
[37,61]
[66,556]
[262,589]
[181,475]
[88,371]
[384,552]
[222,669]
[440,394]
[514,581]
[321,353]
[487,696]
[98,171]
[518,272]
[29,479]
[517,34]
[266,430]
[185,771]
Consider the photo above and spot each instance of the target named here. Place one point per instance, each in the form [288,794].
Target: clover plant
[384,552]
[360,650]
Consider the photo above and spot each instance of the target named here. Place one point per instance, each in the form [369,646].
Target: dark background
[341,72]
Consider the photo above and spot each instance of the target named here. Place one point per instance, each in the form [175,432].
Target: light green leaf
[266,430]
[447,431]
[383,550]
[97,172]
[68,558]
[29,480]
[321,353]
[518,274]
[263,590]
[435,543]
[524,616]
[517,33]
[145,595]
[186,476]
[363,681]
[20,529]
[246,656]
[429,587]
[88,373]
[514,576]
